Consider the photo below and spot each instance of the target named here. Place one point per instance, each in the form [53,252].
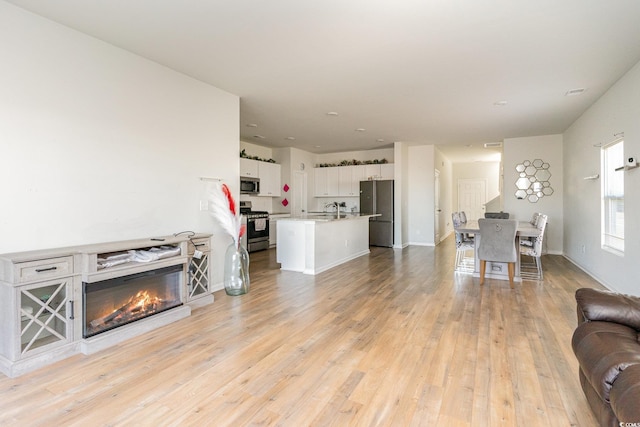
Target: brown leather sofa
[607,346]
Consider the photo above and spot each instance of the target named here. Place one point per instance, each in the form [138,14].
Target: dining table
[497,270]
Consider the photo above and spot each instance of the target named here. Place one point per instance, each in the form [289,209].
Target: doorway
[438,211]
[299,194]
[472,196]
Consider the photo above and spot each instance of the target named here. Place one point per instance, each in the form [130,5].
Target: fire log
[122,311]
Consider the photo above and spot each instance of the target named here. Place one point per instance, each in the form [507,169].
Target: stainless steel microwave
[249,185]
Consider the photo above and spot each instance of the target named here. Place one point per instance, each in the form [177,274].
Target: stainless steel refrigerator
[376,197]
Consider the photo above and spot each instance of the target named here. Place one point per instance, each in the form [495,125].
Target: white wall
[488,171]
[99,144]
[618,110]
[548,149]
[256,150]
[446,168]
[283,157]
[421,194]
[298,159]
[400,194]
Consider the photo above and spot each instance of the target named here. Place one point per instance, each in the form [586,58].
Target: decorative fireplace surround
[42,296]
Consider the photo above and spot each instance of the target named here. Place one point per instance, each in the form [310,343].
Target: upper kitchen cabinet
[379,171]
[387,171]
[327,182]
[344,181]
[270,180]
[350,177]
[248,167]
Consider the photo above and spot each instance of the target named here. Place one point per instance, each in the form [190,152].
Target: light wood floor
[395,338]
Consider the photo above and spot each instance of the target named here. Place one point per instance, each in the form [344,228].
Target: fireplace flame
[140,305]
[142,300]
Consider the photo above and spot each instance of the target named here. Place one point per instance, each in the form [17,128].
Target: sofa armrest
[606,306]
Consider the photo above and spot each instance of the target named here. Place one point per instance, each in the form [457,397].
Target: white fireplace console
[41,295]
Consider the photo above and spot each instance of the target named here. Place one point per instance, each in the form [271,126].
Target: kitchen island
[313,243]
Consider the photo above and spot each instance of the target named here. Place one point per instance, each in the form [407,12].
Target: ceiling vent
[574,92]
[492,144]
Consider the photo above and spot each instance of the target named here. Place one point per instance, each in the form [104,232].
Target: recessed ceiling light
[469,145]
[574,92]
[500,103]
[360,130]
[291,138]
[258,136]
[317,146]
[252,125]
[379,140]
[332,113]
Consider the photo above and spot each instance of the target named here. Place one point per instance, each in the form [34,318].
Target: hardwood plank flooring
[395,338]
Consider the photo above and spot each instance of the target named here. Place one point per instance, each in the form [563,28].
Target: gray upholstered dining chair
[496,215]
[498,244]
[533,248]
[463,245]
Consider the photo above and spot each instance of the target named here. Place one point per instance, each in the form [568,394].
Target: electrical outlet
[204,205]
[583,249]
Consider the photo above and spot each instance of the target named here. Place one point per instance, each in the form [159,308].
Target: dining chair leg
[512,271]
[539,266]
[483,267]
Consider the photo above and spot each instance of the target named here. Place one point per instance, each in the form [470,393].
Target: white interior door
[299,193]
[437,207]
[472,196]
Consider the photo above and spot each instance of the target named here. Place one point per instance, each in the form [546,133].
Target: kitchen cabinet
[387,171]
[380,171]
[270,180]
[372,171]
[350,177]
[248,167]
[344,181]
[327,182]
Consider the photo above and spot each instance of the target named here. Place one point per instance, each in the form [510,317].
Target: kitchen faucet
[337,205]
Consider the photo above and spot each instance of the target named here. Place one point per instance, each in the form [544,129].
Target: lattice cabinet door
[46,315]
[198,274]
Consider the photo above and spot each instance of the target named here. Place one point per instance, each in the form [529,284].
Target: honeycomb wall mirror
[533,180]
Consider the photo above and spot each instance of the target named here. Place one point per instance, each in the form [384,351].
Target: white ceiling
[416,71]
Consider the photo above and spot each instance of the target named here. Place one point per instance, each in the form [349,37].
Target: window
[613,196]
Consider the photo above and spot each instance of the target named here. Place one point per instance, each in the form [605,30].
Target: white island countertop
[330,216]
[316,242]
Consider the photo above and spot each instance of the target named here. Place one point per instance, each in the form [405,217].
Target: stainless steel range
[257,223]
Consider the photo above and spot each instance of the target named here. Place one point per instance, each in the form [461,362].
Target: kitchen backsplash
[261,203]
[272,204]
[352,204]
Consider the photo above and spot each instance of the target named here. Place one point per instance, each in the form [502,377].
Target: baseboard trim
[588,273]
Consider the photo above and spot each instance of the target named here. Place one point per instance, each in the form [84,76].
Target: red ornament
[285,188]
[285,202]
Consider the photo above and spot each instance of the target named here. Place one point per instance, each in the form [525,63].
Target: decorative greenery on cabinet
[244,155]
[353,162]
